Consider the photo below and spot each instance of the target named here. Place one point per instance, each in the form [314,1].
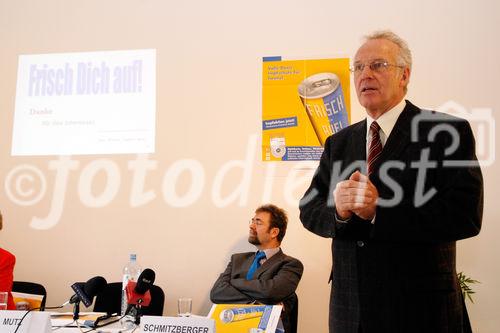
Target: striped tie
[375,147]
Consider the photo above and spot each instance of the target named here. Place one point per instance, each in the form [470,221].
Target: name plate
[34,322]
[177,324]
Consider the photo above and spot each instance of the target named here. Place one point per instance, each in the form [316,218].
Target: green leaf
[465,283]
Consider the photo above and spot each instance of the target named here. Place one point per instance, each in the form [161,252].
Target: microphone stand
[135,310]
[127,317]
[76,311]
[138,314]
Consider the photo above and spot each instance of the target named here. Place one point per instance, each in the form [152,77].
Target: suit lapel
[358,144]
[269,263]
[400,136]
[244,263]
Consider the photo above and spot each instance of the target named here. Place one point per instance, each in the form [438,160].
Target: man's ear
[405,78]
[275,232]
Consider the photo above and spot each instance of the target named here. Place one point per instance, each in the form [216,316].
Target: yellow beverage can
[324,102]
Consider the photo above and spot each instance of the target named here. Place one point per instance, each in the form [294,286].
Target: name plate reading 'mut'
[177,324]
[34,322]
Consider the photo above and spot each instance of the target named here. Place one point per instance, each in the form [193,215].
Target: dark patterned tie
[375,147]
[255,264]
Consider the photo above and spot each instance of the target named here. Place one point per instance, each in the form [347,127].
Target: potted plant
[465,285]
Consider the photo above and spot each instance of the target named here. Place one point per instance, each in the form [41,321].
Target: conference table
[65,324]
[254,318]
[47,322]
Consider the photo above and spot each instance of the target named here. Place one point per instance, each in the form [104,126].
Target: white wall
[209,109]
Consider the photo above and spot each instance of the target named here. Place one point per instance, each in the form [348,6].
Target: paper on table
[61,319]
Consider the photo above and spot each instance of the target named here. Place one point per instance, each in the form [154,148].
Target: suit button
[360,243]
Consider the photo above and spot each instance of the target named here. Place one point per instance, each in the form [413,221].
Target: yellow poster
[244,318]
[303,103]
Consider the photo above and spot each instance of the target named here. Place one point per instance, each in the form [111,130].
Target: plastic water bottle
[131,272]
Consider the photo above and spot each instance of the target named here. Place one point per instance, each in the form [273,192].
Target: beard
[252,239]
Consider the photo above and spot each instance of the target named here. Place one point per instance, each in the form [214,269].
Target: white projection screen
[85,103]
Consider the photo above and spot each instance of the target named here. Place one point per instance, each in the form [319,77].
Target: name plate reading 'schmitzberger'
[177,324]
[34,322]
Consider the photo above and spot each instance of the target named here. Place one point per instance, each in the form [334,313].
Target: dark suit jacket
[274,282]
[398,274]
[7,262]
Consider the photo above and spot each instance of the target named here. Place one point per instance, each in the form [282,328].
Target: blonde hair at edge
[404,56]
[1,221]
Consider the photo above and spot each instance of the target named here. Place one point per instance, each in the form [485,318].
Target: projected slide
[85,103]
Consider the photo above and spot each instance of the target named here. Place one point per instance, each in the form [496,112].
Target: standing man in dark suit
[268,276]
[395,192]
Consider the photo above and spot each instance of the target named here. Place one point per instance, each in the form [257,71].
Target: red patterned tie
[375,147]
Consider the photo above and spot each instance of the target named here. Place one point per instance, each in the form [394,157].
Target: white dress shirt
[386,122]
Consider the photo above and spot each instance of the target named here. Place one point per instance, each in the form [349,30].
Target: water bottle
[131,272]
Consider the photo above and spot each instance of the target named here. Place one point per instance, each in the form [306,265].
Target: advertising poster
[231,318]
[303,103]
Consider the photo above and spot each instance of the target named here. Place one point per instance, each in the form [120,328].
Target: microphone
[138,292]
[85,291]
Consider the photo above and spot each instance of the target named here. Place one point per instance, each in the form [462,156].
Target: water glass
[4,298]
[184,306]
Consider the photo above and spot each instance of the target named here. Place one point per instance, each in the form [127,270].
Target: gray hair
[404,56]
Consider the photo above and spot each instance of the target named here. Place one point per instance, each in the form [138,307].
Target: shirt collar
[386,121]
[271,252]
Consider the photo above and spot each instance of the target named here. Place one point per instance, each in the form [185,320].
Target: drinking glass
[184,306]
[4,297]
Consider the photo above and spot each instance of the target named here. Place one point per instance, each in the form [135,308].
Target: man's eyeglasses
[256,222]
[376,66]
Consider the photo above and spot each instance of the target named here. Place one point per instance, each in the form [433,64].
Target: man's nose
[366,72]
